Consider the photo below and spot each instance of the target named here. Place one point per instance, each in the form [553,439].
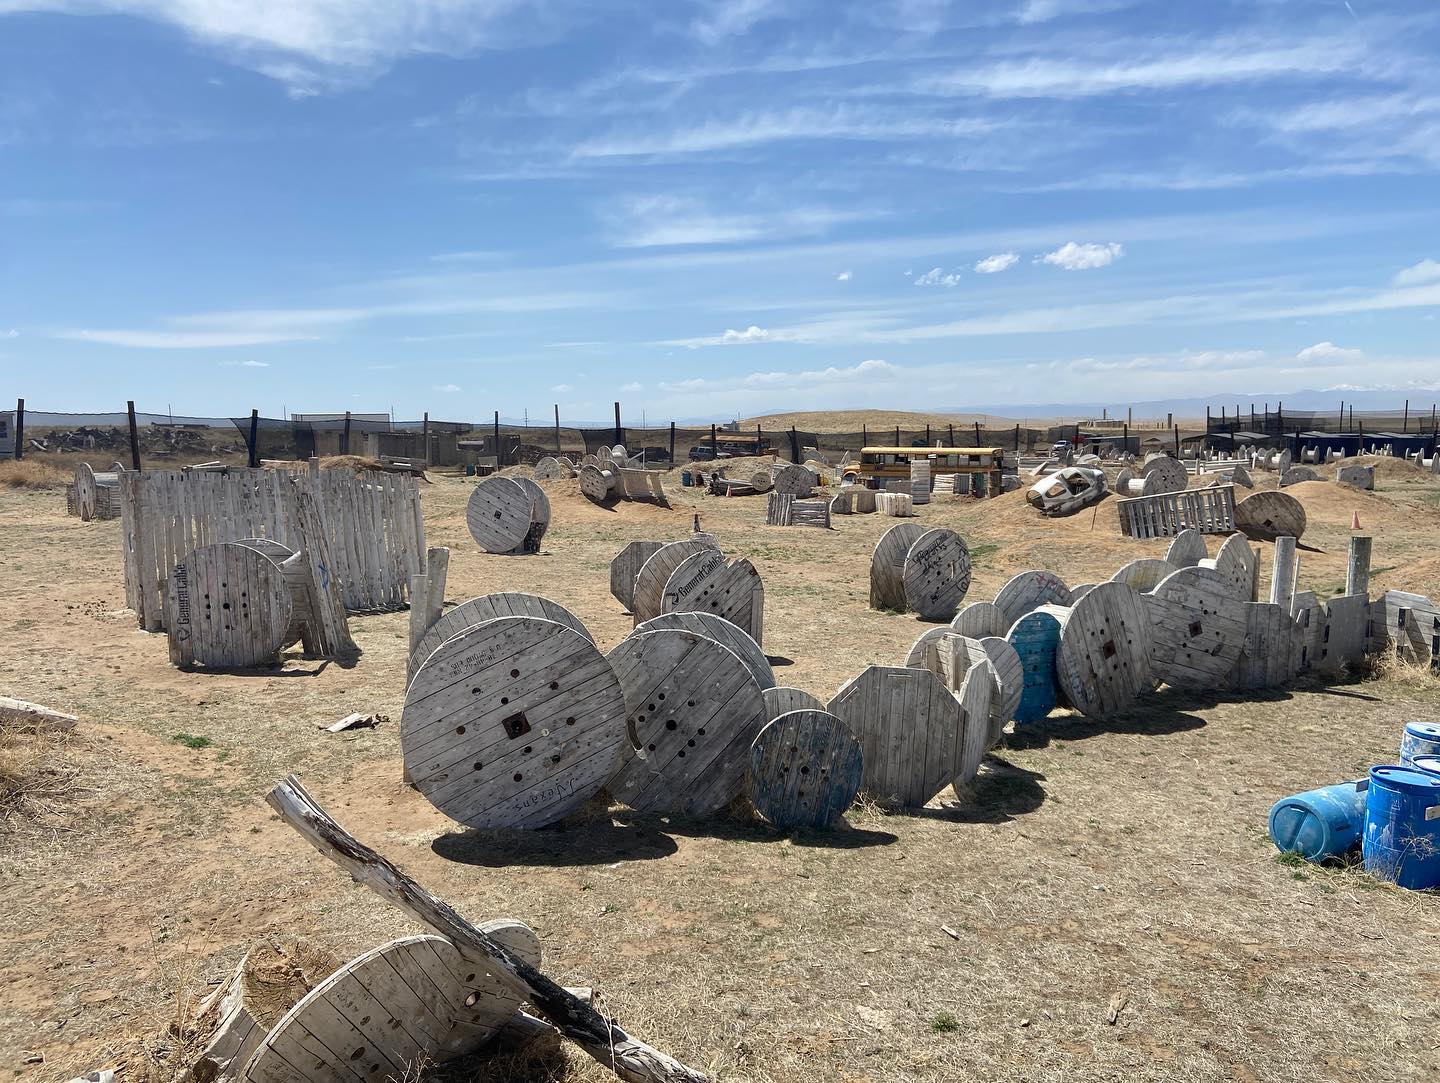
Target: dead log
[628,1057]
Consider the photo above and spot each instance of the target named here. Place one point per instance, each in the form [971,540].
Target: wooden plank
[693,709]
[936,574]
[1272,649]
[1103,664]
[805,770]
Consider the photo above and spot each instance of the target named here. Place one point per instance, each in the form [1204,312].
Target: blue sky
[713,208]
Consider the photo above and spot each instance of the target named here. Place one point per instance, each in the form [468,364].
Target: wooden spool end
[654,574]
[782,700]
[887,566]
[598,483]
[980,619]
[1103,664]
[499,514]
[805,770]
[1029,590]
[477,611]
[1036,640]
[1197,629]
[1144,574]
[1187,550]
[227,606]
[626,566]
[722,631]
[936,574]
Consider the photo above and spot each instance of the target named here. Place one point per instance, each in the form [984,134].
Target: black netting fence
[1255,425]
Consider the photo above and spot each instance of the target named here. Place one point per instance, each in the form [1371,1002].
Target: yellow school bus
[878,465]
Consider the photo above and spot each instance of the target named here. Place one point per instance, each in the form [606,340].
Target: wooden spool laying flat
[910,730]
[1165,475]
[656,571]
[1103,664]
[693,711]
[1030,590]
[406,1002]
[782,700]
[1010,681]
[515,723]
[626,566]
[1144,575]
[936,574]
[705,584]
[977,697]
[1297,474]
[980,619]
[1036,639]
[805,770]
[1187,550]
[887,565]
[724,633]
[1268,515]
[1197,629]
[1241,476]
[489,607]
[597,483]
[1272,650]
[227,606]
[539,515]
[498,514]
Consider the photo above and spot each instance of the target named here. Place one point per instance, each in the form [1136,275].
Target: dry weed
[37,776]
[1390,666]
[29,474]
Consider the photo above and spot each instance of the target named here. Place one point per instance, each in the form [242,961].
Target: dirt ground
[1091,871]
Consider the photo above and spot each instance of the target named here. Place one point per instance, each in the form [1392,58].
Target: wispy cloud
[667,220]
[176,340]
[245,364]
[1084,257]
[995,264]
[1427,270]
[843,276]
[938,276]
[1329,353]
[729,18]
[448,389]
[562,388]
[864,372]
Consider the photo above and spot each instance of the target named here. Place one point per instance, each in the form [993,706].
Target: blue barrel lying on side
[1429,764]
[1320,823]
[1419,739]
[1402,826]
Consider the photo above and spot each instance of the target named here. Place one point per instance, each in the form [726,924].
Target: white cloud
[245,364]
[1427,270]
[750,334]
[937,276]
[875,370]
[630,388]
[562,388]
[662,220]
[449,389]
[11,333]
[729,18]
[1327,353]
[995,264]
[843,276]
[1084,257]
[178,340]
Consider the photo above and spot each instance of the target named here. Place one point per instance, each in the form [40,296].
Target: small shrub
[190,740]
[944,1023]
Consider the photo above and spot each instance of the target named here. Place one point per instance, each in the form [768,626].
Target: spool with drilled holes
[936,574]
[227,606]
[499,514]
[1103,664]
[805,770]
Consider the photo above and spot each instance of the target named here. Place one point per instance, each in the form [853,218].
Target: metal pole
[672,442]
[134,437]
[557,428]
[619,436]
[425,435]
[254,438]
[498,462]
[345,436]
[19,428]
[714,446]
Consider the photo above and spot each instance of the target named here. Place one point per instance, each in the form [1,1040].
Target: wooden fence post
[619,432]
[345,436]
[425,435]
[498,461]
[557,428]
[254,440]
[19,428]
[1357,570]
[134,437]
[714,444]
[672,443]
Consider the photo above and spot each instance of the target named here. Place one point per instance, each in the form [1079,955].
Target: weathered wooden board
[1267,515]
[514,723]
[887,566]
[724,633]
[626,566]
[499,514]
[910,730]
[1028,591]
[1197,629]
[1272,648]
[977,697]
[980,619]
[1357,476]
[793,479]
[936,574]
[656,571]
[1409,623]
[1297,474]
[1144,574]
[1343,634]
[1010,681]
[921,654]
[539,515]
[805,770]
[1164,515]
[488,607]
[782,700]
[1103,664]
[1239,564]
[1240,476]
[734,592]
[1164,475]
[693,710]
[1036,639]
[1187,550]
[227,606]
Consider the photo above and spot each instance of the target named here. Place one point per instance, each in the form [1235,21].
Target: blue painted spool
[1320,823]
[1036,638]
[1419,739]
[1402,826]
[1429,763]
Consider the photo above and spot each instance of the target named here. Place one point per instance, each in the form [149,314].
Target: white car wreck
[1067,490]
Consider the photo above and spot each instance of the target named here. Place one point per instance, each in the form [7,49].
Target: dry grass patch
[37,774]
[29,474]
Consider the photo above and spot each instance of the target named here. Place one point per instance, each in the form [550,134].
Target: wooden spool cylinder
[500,513]
[598,483]
[1103,664]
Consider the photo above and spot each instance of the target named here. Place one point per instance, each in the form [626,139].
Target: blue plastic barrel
[1402,826]
[685,478]
[1419,739]
[1429,763]
[1320,823]
[1036,638]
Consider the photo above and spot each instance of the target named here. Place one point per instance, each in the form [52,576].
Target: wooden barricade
[1210,511]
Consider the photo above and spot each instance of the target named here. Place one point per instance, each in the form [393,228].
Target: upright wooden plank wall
[372,524]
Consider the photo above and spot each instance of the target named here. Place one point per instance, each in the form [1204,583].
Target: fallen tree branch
[628,1057]
[33,718]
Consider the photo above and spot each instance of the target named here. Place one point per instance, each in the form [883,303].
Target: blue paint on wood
[1036,639]
[805,770]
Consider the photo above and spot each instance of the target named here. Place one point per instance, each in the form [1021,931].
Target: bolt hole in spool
[517,725]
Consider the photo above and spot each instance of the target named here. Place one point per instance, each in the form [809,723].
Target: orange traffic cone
[1354,520]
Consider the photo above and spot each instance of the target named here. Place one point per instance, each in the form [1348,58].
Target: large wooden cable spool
[598,482]
[1103,664]
[1267,515]
[693,710]
[782,700]
[1197,629]
[1164,475]
[1010,681]
[1238,563]
[1144,574]
[705,584]
[792,479]
[805,770]
[514,723]
[980,619]
[499,514]
[1036,640]
[921,653]
[489,607]
[936,574]
[626,566]
[887,566]
[1273,648]
[227,606]
[977,696]
[1030,590]
[297,578]
[554,468]
[1187,549]
[656,571]
[539,515]
[910,730]
[724,633]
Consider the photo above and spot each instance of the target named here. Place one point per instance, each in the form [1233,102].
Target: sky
[711,209]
